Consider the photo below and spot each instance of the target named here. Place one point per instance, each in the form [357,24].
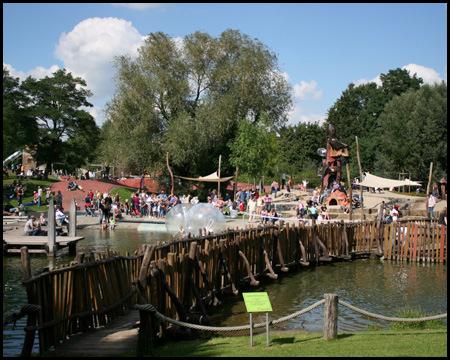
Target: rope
[298,313]
[388,318]
[151,308]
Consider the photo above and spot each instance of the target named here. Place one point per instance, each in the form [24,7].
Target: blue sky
[321,48]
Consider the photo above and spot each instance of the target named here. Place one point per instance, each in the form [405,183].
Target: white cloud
[298,115]
[429,75]
[89,49]
[138,6]
[38,72]
[302,89]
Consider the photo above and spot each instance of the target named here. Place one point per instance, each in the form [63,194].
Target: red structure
[336,156]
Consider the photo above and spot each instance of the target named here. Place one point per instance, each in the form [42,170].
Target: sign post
[257,302]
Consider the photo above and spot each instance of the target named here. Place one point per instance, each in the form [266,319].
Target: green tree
[187,100]
[357,111]
[414,127]
[298,147]
[254,150]
[66,132]
[19,129]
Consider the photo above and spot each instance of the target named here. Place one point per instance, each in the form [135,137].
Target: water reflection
[382,288]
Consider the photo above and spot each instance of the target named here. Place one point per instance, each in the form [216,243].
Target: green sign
[257,302]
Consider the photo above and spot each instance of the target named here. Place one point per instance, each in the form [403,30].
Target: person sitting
[61,218]
[31,228]
[74,186]
[273,216]
[42,220]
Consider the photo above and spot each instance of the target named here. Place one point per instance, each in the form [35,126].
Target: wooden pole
[51,229]
[235,183]
[25,261]
[330,316]
[361,176]
[218,174]
[428,187]
[73,219]
[170,172]
[350,192]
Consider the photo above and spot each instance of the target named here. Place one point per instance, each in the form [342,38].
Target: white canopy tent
[374,181]
[214,177]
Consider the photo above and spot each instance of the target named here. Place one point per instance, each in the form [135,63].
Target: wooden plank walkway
[13,242]
[118,338]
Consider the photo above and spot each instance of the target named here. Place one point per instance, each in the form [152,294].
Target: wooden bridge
[185,279]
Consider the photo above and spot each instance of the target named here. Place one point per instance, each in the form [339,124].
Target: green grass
[287,344]
[32,185]
[124,193]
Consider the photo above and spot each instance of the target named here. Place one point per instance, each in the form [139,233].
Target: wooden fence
[195,273]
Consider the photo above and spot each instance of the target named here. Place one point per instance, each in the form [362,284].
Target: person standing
[59,199]
[431,205]
[251,208]
[39,199]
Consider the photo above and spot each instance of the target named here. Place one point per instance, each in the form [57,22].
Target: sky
[321,48]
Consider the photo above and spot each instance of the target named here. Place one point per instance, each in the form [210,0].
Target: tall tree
[19,129]
[66,132]
[187,98]
[254,150]
[414,127]
[357,111]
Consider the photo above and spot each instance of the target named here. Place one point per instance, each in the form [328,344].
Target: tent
[209,178]
[383,183]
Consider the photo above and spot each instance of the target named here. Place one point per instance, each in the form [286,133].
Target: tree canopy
[188,99]
[52,120]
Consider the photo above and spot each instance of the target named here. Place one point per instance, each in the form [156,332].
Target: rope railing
[162,317]
[390,318]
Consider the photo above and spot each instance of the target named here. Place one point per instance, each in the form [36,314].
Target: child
[112,223]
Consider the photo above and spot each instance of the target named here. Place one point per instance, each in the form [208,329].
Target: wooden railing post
[32,317]
[51,228]
[73,219]
[330,316]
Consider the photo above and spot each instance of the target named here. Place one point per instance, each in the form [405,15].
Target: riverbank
[296,344]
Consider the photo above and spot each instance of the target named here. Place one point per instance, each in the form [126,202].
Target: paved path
[79,195]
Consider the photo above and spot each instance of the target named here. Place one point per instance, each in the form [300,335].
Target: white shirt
[28,226]
[431,201]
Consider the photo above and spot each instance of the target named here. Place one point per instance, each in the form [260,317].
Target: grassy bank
[371,343]
[31,186]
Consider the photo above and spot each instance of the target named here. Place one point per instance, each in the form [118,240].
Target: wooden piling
[330,316]
[73,218]
[51,228]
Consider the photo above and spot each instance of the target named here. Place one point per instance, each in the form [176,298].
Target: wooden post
[51,229]
[218,174]
[330,316]
[170,172]
[25,261]
[428,187]
[30,331]
[73,219]
[235,183]
[361,175]
[350,192]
